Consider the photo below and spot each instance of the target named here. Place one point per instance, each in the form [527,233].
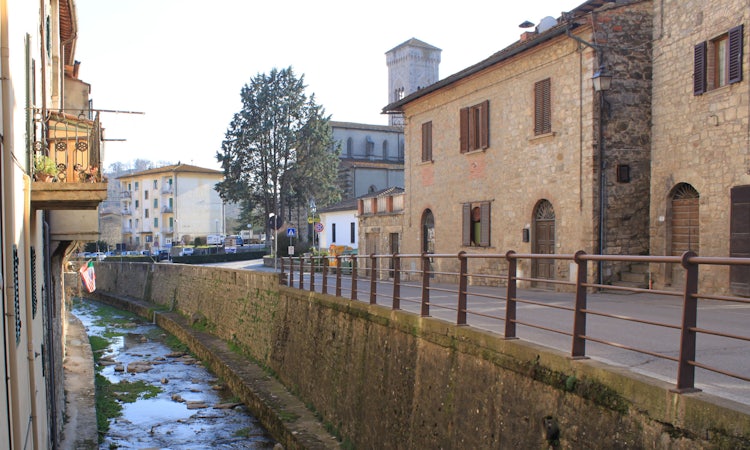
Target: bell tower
[412,66]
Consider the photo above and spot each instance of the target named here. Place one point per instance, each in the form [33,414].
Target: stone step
[632,284]
[634,277]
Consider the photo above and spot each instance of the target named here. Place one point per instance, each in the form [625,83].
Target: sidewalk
[80,431]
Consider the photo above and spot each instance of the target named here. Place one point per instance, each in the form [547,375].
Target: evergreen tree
[277,151]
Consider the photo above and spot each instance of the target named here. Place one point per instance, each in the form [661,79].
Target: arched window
[349,147]
[385,150]
[428,232]
[543,240]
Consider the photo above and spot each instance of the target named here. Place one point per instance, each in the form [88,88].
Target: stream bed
[168,399]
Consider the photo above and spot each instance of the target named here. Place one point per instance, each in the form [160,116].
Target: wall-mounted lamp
[602,79]
[526,235]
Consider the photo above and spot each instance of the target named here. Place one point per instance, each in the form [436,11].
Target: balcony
[126,212]
[167,230]
[125,194]
[167,189]
[166,209]
[67,165]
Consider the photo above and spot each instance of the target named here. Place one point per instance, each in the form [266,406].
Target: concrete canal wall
[390,379]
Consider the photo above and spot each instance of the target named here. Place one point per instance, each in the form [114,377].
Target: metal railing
[383,278]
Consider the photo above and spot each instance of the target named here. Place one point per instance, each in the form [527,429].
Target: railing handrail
[392,274]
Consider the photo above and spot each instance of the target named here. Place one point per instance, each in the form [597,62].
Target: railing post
[301,272]
[425,285]
[338,275]
[579,315]
[686,370]
[324,272]
[282,275]
[396,281]
[510,296]
[354,277]
[312,273]
[462,287]
[373,280]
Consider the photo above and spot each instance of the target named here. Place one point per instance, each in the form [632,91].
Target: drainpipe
[6,167]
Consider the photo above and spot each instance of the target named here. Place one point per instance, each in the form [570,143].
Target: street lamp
[602,79]
[313,210]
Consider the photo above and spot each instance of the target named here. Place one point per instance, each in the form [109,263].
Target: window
[136,185]
[476,224]
[145,195]
[718,62]
[171,222]
[385,150]
[352,232]
[349,147]
[427,141]
[156,203]
[475,127]
[136,204]
[146,214]
[156,222]
[542,107]
[333,232]
[171,202]
[155,184]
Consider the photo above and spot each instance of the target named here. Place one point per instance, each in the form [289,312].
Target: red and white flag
[88,276]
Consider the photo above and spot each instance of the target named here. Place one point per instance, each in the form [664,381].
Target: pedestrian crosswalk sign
[291,232]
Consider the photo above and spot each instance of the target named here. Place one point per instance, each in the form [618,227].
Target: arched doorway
[428,232]
[683,232]
[543,242]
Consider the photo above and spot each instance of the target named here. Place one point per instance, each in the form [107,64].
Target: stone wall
[699,140]
[391,379]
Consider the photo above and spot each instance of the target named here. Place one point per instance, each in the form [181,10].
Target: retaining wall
[390,379]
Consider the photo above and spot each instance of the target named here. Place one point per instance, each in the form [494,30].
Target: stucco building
[170,204]
[700,190]
[520,152]
[50,172]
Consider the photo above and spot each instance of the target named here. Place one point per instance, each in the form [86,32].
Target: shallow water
[167,420]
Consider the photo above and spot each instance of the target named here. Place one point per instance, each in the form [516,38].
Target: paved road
[487,313]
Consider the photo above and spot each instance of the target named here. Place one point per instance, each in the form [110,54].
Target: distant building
[339,225]
[168,205]
[412,65]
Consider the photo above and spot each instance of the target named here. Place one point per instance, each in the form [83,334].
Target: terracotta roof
[175,168]
[565,23]
[414,42]
[344,205]
[393,190]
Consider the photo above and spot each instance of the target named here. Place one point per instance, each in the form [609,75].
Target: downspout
[7,203]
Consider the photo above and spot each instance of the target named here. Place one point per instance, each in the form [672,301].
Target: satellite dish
[545,24]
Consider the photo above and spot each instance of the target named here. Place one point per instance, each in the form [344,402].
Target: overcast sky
[184,62]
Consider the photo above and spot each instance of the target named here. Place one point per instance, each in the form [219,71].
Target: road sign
[318,227]
[275,222]
[291,232]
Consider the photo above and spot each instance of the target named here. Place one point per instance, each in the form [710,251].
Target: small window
[718,62]
[136,204]
[156,222]
[145,214]
[542,107]
[475,127]
[352,232]
[155,184]
[156,203]
[145,195]
[333,233]
[476,224]
[427,141]
[136,185]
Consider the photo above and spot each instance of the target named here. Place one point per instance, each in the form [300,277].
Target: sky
[182,63]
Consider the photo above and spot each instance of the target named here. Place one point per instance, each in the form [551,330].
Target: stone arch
[428,231]
[683,227]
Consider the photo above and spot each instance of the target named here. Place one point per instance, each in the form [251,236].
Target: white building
[339,225]
[170,204]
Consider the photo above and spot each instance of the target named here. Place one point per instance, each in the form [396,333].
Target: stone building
[520,152]
[381,225]
[412,65]
[700,190]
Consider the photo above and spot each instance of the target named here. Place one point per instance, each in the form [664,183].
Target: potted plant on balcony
[45,168]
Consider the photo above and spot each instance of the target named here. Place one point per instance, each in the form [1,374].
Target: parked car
[186,251]
[163,255]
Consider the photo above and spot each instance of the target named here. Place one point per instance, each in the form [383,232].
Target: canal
[152,393]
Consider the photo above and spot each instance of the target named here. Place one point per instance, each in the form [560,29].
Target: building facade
[519,152]
[170,205]
[700,190]
[372,157]
[381,226]
[51,186]
[412,65]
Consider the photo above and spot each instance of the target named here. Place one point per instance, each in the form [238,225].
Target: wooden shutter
[464,124]
[699,69]
[466,224]
[427,141]
[735,55]
[484,239]
[542,107]
[484,124]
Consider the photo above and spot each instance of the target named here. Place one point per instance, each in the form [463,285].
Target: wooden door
[544,243]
